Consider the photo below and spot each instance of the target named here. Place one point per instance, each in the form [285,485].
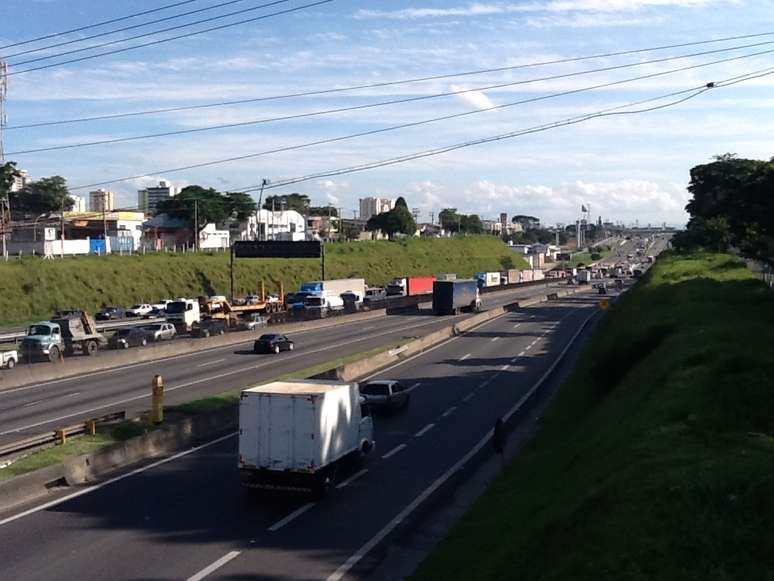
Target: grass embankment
[655,460]
[31,289]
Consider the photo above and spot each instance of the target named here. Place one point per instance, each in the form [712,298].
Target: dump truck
[63,336]
[452,296]
[295,435]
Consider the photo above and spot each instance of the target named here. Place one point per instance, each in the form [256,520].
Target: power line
[692,93]
[362,134]
[186,35]
[415,99]
[117,30]
[97,24]
[382,84]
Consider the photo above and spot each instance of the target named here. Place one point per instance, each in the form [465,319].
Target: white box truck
[295,435]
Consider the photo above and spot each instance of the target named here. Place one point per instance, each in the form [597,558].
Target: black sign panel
[277,249]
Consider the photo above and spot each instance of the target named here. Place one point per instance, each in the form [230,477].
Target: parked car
[161,331]
[272,344]
[111,313]
[139,310]
[68,314]
[385,394]
[375,294]
[9,359]
[133,337]
[252,322]
[209,327]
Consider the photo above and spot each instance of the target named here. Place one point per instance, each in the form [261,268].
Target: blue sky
[626,168]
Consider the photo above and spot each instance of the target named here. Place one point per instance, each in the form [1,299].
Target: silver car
[252,322]
[161,331]
[385,394]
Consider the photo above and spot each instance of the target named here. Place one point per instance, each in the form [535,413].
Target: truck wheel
[54,354]
[11,364]
[143,342]
[91,348]
[222,332]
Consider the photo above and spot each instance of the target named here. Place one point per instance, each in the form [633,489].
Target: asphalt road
[188,518]
[46,406]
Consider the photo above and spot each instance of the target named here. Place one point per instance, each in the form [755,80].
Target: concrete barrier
[78,365]
[90,467]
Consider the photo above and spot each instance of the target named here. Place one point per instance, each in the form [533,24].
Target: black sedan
[133,337]
[272,344]
[110,313]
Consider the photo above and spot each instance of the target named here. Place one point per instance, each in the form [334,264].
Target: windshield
[315,301]
[375,389]
[152,327]
[39,330]
[178,307]
[267,337]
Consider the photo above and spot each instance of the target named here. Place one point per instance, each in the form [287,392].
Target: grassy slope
[33,288]
[655,461]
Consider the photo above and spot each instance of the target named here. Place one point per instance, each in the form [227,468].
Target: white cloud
[475,98]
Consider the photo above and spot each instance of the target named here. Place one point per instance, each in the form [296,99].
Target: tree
[397,221]
[45,196]
[8,174]
[298,202]
[449,219]
[241,205]
[472,224]
[401,203]
[323,211]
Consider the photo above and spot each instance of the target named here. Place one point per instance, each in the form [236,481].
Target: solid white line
[293,515]
[215,566]
[394,451]
[345,567]
[464,357]
[424,430]
[96,487]
[352,478]
[449,411]
[73,394]
[494,339]
[413,387]
[211,363]
[33,403]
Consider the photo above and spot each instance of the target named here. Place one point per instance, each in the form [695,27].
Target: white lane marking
[470,395]
[394,451]
[211,363]
[353,560]
[517,325]
[33,403]
[413,387]
[528,348]
[73,394]
[214,566]
[521,354]
[96,487]
[424,430]
[449,411]
[464,357]
[352,478]
[292,516]
[494,339]
[505,367]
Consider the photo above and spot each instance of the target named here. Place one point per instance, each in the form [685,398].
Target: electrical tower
[3,118]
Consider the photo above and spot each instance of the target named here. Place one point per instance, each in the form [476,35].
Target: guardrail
[60,435]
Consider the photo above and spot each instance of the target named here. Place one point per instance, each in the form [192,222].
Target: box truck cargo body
[335,287]
[411,286]
[293,435]
[509,276]
[452,296]
[487,279]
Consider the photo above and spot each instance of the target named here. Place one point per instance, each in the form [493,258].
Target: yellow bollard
[91,428]
[604,304]
[61,436]
[157,411]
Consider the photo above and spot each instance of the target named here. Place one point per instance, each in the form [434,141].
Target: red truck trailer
[418,285]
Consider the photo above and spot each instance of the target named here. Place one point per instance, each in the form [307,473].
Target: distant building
[322,227]
[370,207]
[527,222]
[210,237]
[149,199]
[79,203]
[20,180]
[101,201]
[268,225]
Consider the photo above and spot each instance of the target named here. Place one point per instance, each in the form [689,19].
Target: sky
[625,167]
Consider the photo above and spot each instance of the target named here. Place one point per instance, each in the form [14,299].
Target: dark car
[134,337]
[110,313]
[272,344]
[385,394]
[209,327]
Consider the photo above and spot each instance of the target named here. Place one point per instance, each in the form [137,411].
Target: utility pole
[61,225]
[3,118]
[104,218]
[196,225]
[264,183]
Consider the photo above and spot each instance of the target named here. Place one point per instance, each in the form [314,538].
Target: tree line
[732,206]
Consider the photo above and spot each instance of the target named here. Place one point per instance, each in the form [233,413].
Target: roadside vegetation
[654,461]
[31,289]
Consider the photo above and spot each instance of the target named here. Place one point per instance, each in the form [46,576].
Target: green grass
[655,460]
[585,258]
[31,289]
[73,447]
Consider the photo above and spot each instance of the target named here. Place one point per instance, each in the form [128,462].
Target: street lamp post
[264,183]
[35,227]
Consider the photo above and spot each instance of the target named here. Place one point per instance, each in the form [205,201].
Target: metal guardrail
[59,435]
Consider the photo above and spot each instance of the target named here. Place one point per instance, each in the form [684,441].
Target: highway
[45,406]
[188,518]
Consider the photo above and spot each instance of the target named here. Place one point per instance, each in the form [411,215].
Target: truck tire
[90,348]
[54,354]
[10,364]
[143,342]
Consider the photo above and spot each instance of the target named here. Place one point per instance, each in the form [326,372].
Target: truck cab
[183,313]
[43,340]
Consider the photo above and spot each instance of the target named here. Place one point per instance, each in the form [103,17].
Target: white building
[268,225]
[212,238]
[79,203]
[372,206]
[148,199]
[20,180]
[101,201]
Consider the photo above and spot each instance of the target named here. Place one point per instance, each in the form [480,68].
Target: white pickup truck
[294,435]
[9,359]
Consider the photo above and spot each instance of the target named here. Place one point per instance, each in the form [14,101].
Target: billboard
[277,249]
